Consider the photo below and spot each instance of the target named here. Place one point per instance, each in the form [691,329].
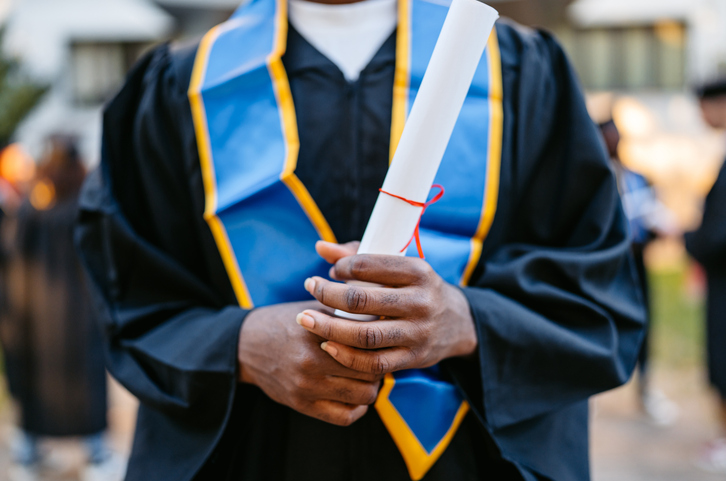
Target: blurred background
[638,60]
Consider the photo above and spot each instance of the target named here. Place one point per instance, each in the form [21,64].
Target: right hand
[287,363]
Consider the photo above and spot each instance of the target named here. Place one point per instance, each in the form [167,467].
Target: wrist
[245,377]
[244,371]
[466,340]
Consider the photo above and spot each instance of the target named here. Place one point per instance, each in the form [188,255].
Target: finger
[363,335]
[332,253]
[385,270]
[340,414]
[379,362]
[320,363]
[335,369]
[350,391]
[379,301]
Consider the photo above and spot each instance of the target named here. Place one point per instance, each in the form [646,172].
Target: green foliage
[677,338]
[18,95]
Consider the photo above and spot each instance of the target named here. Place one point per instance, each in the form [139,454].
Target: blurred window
[630,58]
[98,69]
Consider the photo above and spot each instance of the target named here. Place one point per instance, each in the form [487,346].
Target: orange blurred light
[671,33]
[42,197]
[16,166]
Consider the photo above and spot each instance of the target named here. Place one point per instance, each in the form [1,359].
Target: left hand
[424,320]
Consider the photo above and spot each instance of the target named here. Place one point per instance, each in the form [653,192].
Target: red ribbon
[423,206]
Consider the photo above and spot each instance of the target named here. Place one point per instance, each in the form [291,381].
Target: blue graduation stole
[265,222]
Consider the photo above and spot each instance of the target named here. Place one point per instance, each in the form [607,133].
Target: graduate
[238,173]
[708,246]
[648,219]
[52,345]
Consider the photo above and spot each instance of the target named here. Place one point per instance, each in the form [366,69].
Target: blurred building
[194,17]
[648,43]
[82,49]
[541,13]
[641,59]
[638,60]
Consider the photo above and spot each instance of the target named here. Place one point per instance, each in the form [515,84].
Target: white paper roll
[448,77]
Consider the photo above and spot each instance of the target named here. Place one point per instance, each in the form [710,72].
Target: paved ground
[67,457]
[625,446]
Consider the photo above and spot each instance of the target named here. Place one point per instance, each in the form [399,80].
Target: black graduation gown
[51,339]
[554,297]
[708,246]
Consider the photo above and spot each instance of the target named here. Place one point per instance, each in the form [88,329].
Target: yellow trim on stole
[418,461]
[289,127]
[292,147]
[402,77]
[210,184]
[496,132]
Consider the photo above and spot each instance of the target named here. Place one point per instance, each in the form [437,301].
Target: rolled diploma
[447,80]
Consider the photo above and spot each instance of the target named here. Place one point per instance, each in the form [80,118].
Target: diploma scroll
[428,129]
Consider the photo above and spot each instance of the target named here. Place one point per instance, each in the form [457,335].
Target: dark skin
[331,368]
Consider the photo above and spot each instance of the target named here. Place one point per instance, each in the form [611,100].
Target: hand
[424,319]
[287,363]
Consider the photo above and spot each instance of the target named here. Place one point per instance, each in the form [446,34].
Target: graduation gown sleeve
[170,339]
[708,244]
[555,299]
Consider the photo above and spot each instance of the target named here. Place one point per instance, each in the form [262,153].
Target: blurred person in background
[17,171]
[53,349]
[708,246]
[12,189]
[648,218]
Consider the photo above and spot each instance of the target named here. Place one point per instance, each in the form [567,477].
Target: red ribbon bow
[423,206]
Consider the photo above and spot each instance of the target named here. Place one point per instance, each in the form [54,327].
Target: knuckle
[424,330]
[424,269]
[423,308]
[351,416]
[346,419]
[359,364]
[302,384]
[370,337]
[298,403]
[356,299]
[343,393]
[371,395]
[395,335]
[348,361]
[327,330]
[342,419]
[320,292]
[426,298]
[307,364]
[415,358]
[391,298]
[380,365]
[359,266]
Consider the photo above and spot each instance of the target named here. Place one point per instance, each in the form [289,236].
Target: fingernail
[305,321]
[309,285]
[329,349]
